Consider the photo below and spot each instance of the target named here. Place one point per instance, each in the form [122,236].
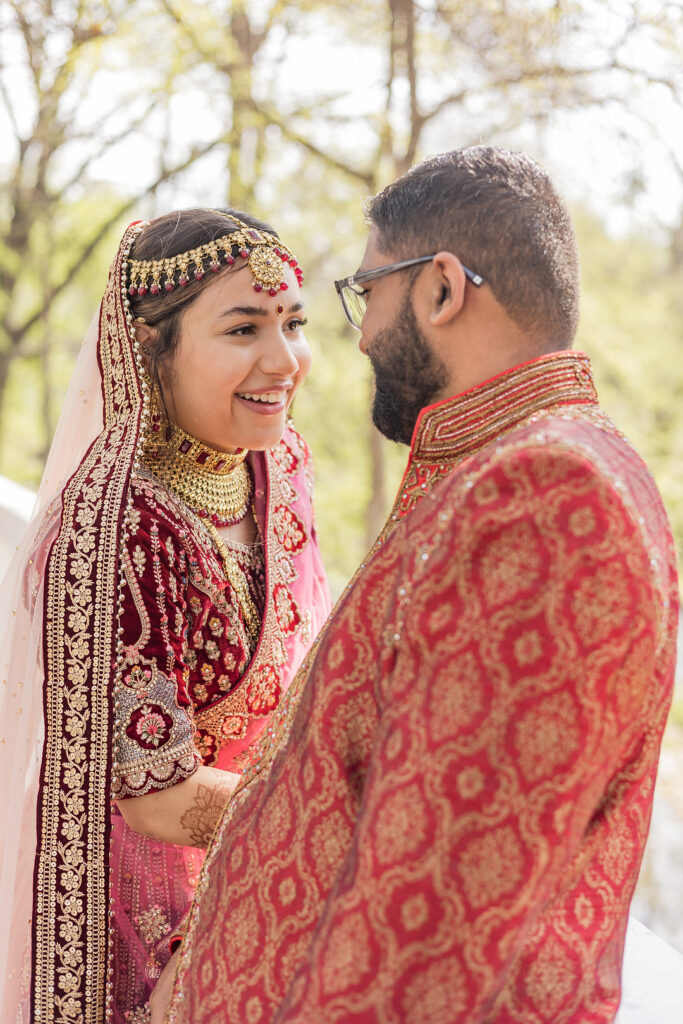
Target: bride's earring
[158,420]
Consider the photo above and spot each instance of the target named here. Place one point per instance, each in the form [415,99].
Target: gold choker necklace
[216,485]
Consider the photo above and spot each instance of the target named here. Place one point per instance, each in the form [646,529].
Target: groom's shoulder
[571,443]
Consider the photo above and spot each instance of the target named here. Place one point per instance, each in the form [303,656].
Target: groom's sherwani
[447,824]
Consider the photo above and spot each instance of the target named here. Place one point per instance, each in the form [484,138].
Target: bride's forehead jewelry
[265,255]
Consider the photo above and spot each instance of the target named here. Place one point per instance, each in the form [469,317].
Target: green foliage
[303,149]
[631,327]
[39,377]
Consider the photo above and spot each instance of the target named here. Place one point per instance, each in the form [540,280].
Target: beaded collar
[460,426]
[216,485]
[452,430]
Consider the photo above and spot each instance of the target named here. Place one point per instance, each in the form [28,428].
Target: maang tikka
[265,254]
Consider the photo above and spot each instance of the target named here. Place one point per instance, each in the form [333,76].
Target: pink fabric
[58,655]
[152,884]
[21,669]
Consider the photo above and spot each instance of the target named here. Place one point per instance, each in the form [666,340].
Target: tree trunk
[376,511]
[7,357]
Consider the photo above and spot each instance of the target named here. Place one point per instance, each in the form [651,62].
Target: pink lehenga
[126,663]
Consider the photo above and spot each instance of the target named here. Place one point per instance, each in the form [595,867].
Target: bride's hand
[160,999]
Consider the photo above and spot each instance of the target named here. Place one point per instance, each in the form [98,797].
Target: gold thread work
[265,255]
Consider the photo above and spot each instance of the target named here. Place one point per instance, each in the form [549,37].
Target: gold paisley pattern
[482,870]
[70,889]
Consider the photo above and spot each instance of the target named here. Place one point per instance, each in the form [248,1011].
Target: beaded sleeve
[154,727]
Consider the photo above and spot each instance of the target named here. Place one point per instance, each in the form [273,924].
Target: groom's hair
[498,212]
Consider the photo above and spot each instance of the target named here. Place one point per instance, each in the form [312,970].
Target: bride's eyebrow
[245,311]
[296,307]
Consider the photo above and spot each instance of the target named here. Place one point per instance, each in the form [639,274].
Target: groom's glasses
[353,295]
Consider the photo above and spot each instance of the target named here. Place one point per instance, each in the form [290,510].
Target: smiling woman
[168,591]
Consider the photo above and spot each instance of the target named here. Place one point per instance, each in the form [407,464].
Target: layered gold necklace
[216,486]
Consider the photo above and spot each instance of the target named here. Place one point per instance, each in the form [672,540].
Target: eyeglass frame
[390,268]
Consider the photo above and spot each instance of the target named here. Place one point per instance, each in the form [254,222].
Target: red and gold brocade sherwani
[450,817]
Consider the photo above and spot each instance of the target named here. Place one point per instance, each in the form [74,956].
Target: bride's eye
[296,324]
[242,331]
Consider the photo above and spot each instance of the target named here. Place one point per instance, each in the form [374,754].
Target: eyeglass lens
[355,305]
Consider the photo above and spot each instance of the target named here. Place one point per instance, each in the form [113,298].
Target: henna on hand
[205,810]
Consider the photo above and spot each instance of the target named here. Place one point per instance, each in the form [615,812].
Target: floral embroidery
[207,744]
[233,727]
[285,457]
[140,1015]
[289,529]
[263,691]
[139,560]
[286,610]
[155,735]
[203,633]
[152,924]
[212,650]
[134,520]
[150,726]
[139,679]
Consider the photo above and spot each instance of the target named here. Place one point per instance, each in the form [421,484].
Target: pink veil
[101,418]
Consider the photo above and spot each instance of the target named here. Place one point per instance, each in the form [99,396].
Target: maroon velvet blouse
[186,641]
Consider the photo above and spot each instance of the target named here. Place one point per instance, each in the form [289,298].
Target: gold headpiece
[265,254]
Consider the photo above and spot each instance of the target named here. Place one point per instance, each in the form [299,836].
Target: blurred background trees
[114,111]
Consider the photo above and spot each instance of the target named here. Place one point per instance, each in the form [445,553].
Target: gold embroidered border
[270,653]
[71,895]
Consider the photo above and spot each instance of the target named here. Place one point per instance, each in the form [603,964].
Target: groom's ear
[447,285]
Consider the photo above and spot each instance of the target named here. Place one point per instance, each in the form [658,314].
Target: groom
[447,820]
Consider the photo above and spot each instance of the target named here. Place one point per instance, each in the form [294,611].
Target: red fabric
[452,831]
[193,688]
[179,604]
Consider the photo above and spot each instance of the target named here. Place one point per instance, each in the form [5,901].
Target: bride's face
[240,359]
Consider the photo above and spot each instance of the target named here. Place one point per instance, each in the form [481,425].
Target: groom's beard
[408,375]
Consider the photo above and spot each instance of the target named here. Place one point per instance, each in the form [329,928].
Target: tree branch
[105,145]
[365,177]
[195,154]
[10,109]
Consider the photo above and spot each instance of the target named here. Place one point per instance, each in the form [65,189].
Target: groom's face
[408,374]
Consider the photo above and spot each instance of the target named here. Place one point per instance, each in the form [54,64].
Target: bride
[168,588]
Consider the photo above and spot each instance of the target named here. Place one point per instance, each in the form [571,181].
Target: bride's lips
[264,408]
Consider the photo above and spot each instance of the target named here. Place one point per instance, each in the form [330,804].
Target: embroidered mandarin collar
[458,427]
[451,430]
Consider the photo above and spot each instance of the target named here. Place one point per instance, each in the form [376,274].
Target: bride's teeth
[271,397]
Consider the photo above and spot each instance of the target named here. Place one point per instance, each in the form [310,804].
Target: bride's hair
[167,236]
